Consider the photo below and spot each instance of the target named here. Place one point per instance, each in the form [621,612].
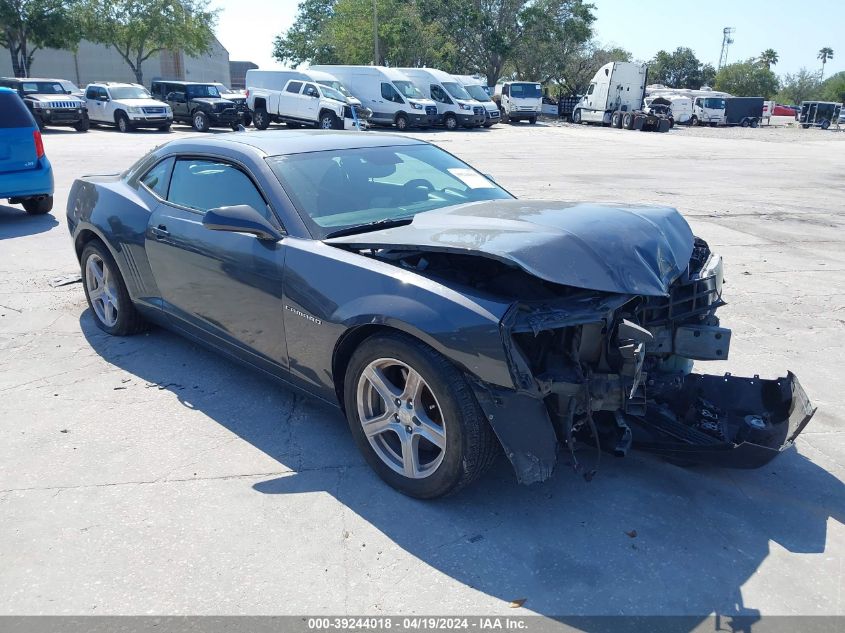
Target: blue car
[26,176]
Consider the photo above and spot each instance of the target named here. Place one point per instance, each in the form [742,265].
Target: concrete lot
[146,475]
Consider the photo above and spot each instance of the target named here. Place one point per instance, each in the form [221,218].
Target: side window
[310,91]
[506,90]
[389,92]
[438,94]
[591,89]
[294,87]
[204,184]
[91,92]
[158,178]
[102,93]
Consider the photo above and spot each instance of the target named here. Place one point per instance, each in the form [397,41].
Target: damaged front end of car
[613,370]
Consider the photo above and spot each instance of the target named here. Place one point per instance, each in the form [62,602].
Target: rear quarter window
[15,113]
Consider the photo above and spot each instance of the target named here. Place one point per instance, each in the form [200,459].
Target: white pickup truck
[291,97]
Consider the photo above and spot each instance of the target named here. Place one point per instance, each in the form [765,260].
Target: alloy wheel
[401,418]
[102,290]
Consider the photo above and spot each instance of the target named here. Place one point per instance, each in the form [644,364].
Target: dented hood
[624,249]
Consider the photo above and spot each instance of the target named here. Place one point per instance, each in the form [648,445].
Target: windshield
[221,88]
[202,91]
[339,189]
[43,88]
[337,86]
[525,91]
[478,93]
[129,92]
[456,90]
[331,93]
[407,89]
[714,104]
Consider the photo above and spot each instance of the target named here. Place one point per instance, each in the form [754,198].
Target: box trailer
[821,114]
[744,111]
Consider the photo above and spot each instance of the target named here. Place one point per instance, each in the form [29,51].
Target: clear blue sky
[795,29]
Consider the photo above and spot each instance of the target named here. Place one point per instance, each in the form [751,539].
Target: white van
[478,90]
[454,104]
[389,93]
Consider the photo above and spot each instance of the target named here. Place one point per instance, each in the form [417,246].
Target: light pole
[376,57]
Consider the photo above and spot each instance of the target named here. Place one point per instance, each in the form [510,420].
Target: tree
[139,29]
[833,88]
[307,39]
[769,58]
[747,79]
[580,68]
[548,45]
[804,85]
[680,69]
[29,25]
[825,54]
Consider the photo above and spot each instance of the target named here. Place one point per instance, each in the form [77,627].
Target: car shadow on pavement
[642,538]
[15,222]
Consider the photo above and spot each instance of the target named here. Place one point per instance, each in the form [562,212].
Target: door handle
[160,232]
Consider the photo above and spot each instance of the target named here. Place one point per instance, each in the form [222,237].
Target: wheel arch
[259,102]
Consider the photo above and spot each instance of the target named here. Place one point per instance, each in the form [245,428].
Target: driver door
[223,287]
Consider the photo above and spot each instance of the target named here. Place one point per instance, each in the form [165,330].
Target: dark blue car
[26,176]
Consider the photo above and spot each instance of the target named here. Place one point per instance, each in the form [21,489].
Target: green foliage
[833,88]
[747,79]
[824,55]
[769,58]
[580,67]
[29,25]
[680,69]
[465,36]
[139,29]
[805,85]
[555,33]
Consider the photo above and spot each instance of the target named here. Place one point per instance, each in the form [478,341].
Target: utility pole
[727,40]
[376,56]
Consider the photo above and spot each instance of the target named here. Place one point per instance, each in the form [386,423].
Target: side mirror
[241,218]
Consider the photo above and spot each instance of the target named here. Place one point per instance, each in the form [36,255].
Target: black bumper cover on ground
[779,410]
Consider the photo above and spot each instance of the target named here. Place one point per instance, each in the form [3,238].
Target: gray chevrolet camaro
[446,318]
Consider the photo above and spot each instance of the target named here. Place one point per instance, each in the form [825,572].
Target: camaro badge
[304,315]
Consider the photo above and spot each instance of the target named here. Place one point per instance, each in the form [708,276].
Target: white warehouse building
[96,62]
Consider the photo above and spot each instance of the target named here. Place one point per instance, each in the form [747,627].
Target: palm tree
[825,54]
[769,58]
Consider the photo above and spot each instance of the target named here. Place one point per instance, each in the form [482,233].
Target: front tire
[106,292]
[122,122]
[199,121]
[576,117]
[694,121]
[83,126]
[328,121]
[532,120]
[450,122]
[38,206]
[436,440]
[401,123]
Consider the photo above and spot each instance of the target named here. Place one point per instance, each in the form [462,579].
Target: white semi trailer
[615,97]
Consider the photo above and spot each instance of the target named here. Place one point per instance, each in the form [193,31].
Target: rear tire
[164,128]
[261,119]
[38,206]
[111,290]
[628,121]
[443,408]
[745,123]
[616,120]
[825,124]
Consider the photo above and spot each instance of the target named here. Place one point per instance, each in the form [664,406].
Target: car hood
[621,249]
[212,100]
[53,98]
[141,103]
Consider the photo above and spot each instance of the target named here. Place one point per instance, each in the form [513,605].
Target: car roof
[184,83]
[5,89]
[24,79]
[285,142]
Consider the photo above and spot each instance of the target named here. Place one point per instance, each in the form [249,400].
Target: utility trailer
[821,114]
[615,98]
[744,111]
